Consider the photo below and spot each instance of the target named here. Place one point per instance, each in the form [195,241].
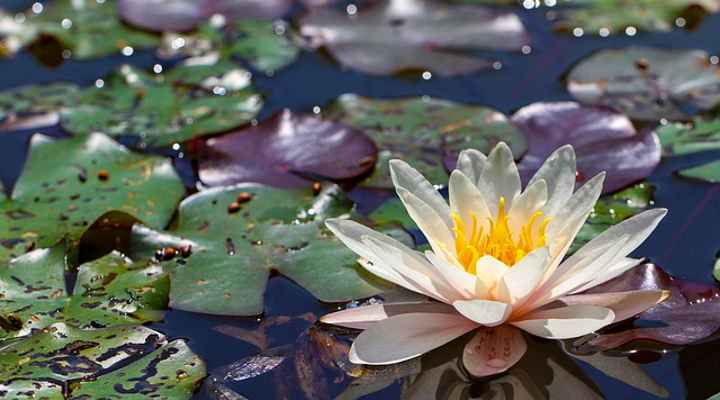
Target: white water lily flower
[496,264]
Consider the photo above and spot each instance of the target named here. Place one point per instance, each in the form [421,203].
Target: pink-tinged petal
[565,322]
[485,312]
[365,316]
[493,350]
[407,336]
[523,278]
[613,271]
[624,304]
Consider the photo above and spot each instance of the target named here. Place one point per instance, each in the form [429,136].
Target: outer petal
[485,312]
[472,163]
[624,304]
[523,278]
[365,316]
[500,178]
[406,336]
[612,271]
[558,171]
[406,177]
[493,350]
[566,322]
[433,225]
[465,198]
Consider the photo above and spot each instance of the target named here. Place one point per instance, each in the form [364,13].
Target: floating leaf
[681,139]
[191,101]
[709,172]
[66,185]
[617,15]
[398,35]
[237,235]
[285,151]
[390,211]
[184,15]
[87,28]
[422,131]
[37,99]
[690,314]
[108,291]
[648,83]
[604,140]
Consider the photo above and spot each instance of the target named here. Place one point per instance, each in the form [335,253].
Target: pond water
[685,244]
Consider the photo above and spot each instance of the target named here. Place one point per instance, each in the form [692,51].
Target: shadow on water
[684,243]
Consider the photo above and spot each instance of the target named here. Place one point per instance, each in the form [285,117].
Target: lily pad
[191,101]
[37,99]
[682,138]
[708,172]
[613,209]
[108,291]
[184,15]
[616,15]
[690,314]
[285,151]
[648,83]
[236,236]
[87,362]
[66,185]
[398,35]
[87,28]
[423,131]
[604,140]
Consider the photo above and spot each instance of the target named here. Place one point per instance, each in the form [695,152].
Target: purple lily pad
[604,140]
[184,15]
[402,35]
[288,150]
[692,312]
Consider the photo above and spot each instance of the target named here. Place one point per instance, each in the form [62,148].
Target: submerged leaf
[288,150]
[423,131]
[237,235]
[398,35]
[648,83]
[66,185]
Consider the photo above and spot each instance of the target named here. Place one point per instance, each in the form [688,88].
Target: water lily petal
[527,203]
[407,336]
[521,280]
[466,199]
[558,171]
[485,312]
[365,316]
[430,223]
[624,304]
[468,285]
[406,177]
[472,162]
[489,270]
[614,270]
[493,350]
[566,322]
[500,178]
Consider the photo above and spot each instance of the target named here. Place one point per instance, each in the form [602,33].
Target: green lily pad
[66,185]
[708,172]
[423,131]
[122,360]
[88,28]
[680,139]
[162,110]
[616,15]
[391,211]
[264,45]
[108,291]
[613,209]
[237,235]
[37,99]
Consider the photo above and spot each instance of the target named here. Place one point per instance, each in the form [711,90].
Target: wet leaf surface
[87,28]
[108,291]
[237,235]
[183,15]
[190,101]
[398,35]
[604,140]
[709,172]
[36,100]
[66,185]
[690,314]
[681,139]
[648,83]
[288,150]
[423,131]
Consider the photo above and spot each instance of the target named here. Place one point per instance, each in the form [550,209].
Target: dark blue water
[685,244]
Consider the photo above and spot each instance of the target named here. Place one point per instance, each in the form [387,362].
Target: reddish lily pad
[400,35]
[184,15]
[692,312]
[648,83]
[286,151]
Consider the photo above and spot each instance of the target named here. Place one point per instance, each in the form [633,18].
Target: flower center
[498,241]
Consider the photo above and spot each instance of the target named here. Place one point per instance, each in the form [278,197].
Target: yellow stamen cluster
[499,241]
